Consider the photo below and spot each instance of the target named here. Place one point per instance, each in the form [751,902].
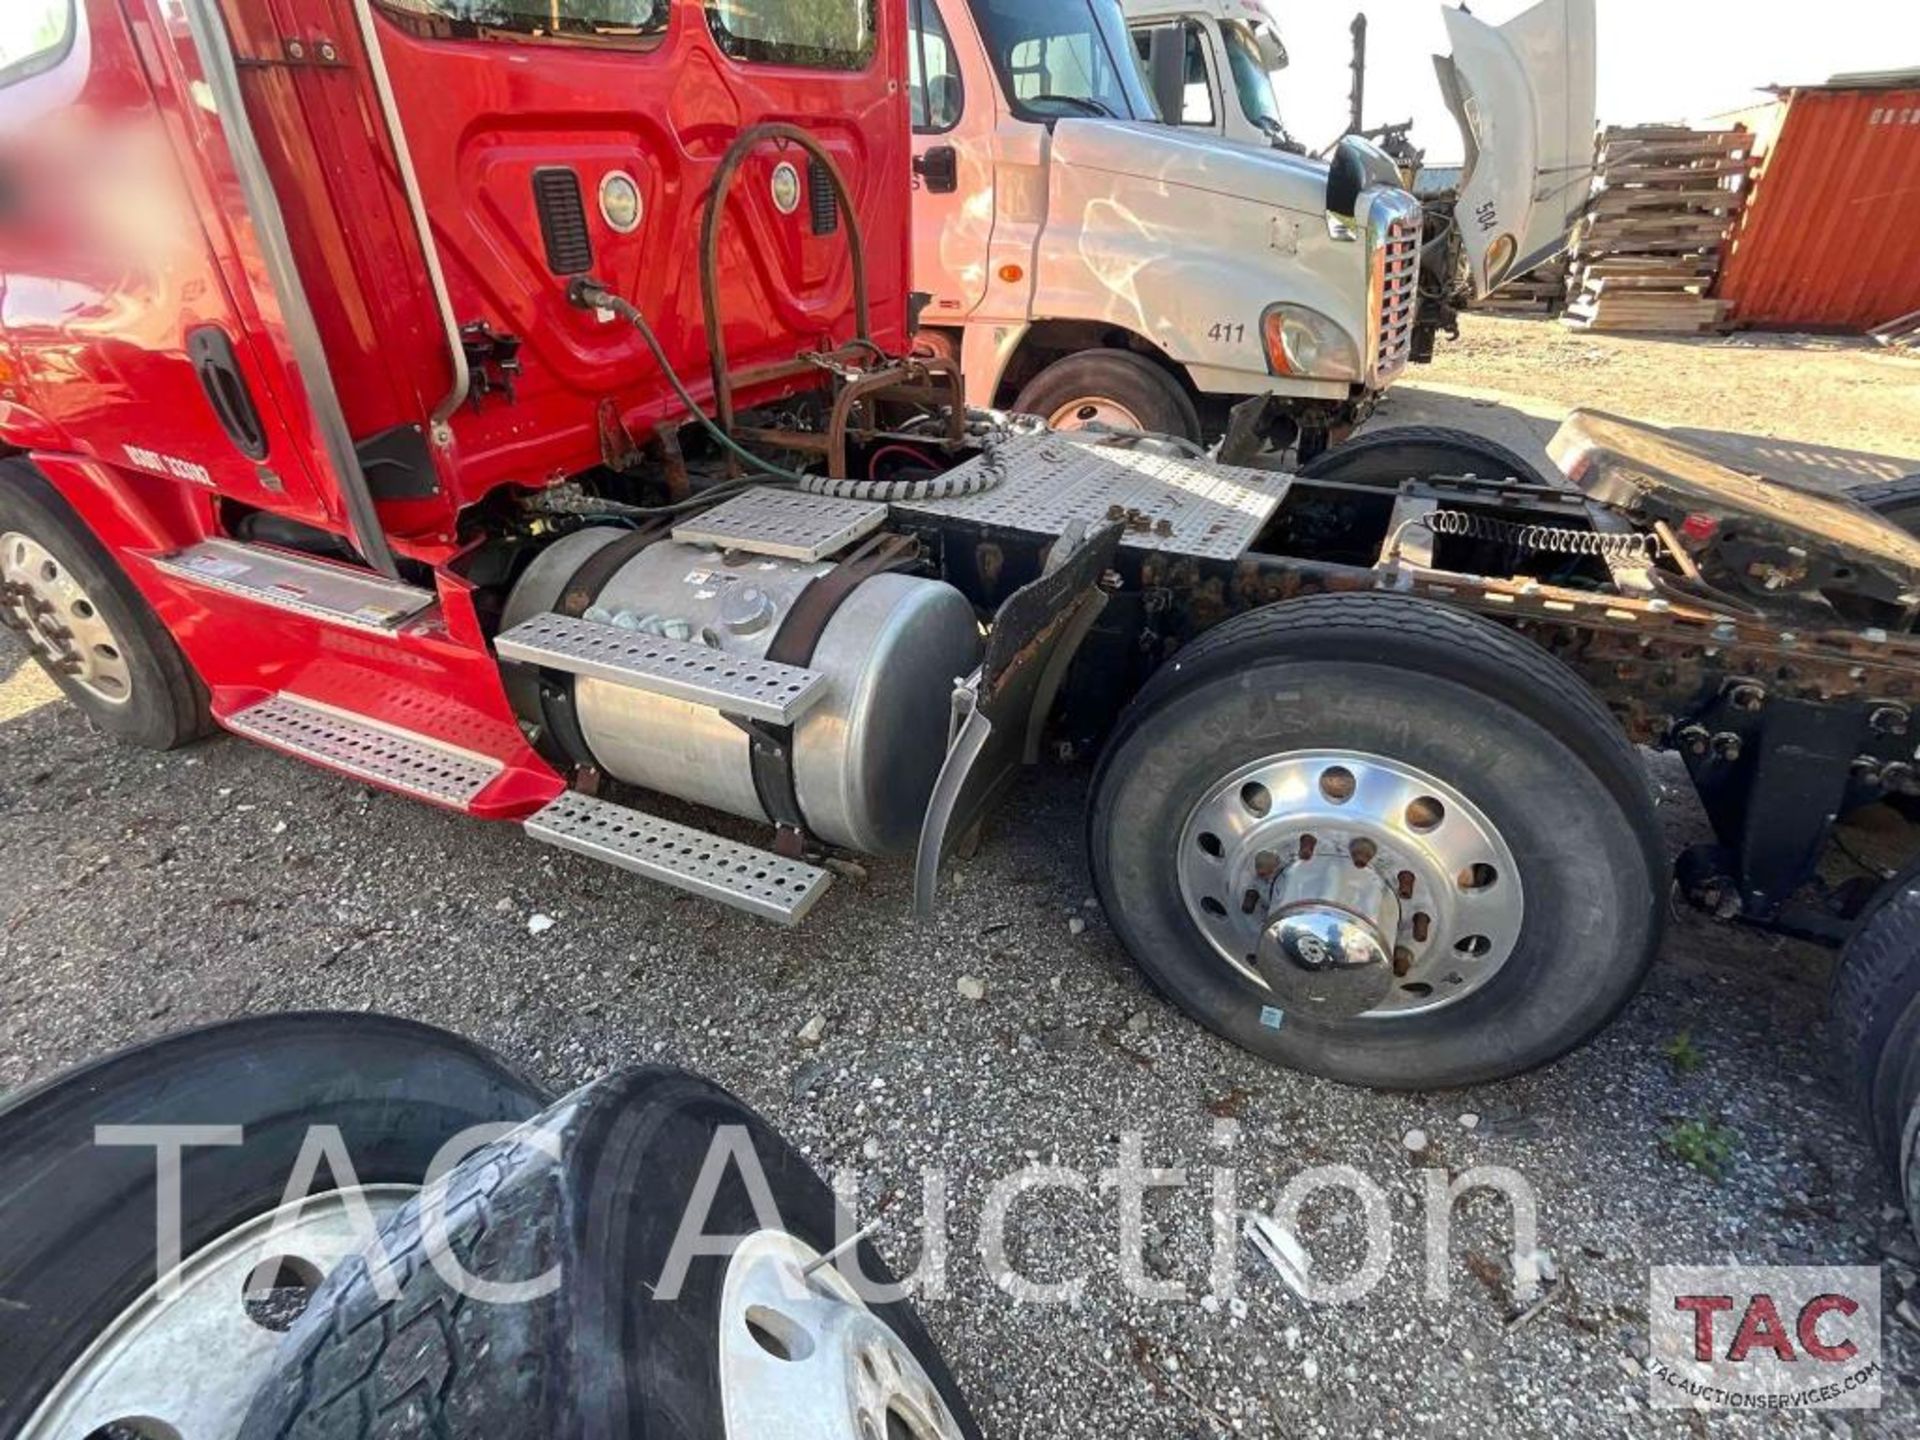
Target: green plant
[1702,1143]
[1682,1054]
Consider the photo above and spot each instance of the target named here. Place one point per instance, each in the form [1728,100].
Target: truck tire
[1876,1006]
[1895,500]
[1110,387]
[66,593]
[1442,767]
[1401,452]
[594,1192]
[77,1217]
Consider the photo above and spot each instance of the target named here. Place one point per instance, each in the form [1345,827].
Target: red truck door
[141,327]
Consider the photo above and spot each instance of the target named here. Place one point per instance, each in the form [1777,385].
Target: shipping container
[1830,237]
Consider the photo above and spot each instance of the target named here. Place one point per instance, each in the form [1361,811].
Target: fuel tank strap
[770,747]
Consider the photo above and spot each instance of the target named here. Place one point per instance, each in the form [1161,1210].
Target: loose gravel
[143,893]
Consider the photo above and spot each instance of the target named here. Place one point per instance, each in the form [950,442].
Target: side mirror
[938,168]
[1358,164]
[1167,69]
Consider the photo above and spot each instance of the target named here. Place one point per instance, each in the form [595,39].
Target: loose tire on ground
[1401,452]
[598,1187]
[77,1237]
[1456,698]
[166,705]
[1894,500]
[1876,1006]
[1116,387]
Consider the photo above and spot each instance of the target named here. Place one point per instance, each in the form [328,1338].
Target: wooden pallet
[1648,250]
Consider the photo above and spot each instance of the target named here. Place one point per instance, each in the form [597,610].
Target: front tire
[1352,698]
[1115,388]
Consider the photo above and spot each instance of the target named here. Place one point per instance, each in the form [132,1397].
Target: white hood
[1524,94]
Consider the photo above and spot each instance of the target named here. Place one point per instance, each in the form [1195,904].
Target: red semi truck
[511,405]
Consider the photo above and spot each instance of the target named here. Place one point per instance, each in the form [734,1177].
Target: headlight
[1306,343]
[1500,258]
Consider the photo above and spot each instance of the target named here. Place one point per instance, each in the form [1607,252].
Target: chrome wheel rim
[1311,849]
[802,1355]
[61,621]
[1093,410]
[185,1360]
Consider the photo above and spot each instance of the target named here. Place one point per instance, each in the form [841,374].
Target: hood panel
[1173,157]
[1524,95]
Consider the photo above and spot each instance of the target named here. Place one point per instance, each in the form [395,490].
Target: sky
[1659,59]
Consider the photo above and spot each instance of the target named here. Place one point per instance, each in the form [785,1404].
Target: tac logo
[1764,1337]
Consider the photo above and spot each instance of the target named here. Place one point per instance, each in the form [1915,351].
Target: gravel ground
[145,893]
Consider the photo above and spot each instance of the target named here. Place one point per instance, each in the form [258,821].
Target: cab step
[380,754]
[318,588]
[733,684]
[755,881]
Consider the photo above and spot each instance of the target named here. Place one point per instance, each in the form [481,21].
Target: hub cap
[1350,885]
[1093,410]
[801,1355]
[186,1367]
[39,596]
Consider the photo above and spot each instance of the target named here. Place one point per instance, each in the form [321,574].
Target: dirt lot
[142,893]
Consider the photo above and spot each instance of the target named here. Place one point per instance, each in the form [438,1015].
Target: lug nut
[1726,745]
[1693,739]
[1747,696]
[1888,720]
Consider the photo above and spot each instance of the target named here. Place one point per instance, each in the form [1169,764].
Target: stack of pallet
[1648,251]
[1541,291]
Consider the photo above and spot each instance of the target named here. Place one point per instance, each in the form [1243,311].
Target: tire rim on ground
[800,1352]
[1350,885]
[62,621]
[1093,410]
[185,1366]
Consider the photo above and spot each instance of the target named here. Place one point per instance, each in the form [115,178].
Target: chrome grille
[1399,297]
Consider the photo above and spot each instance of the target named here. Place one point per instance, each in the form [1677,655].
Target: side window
[1196,104]
[816,34]
[933,87]
[34,36]
[606,21]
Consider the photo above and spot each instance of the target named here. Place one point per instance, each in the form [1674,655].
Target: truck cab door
[1523,93]
[952,95]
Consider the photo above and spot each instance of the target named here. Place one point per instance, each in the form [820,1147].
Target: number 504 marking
[1227,332]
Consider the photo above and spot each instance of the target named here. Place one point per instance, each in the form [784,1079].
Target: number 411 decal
[1227,332]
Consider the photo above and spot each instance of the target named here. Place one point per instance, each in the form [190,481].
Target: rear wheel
[1402,452]
[88,1338]
[764,1339]
[86,624]
[1115,388]
[1380,840]
[1876,1005]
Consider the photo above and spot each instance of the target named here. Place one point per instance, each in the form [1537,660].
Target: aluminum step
[320,588]
[755,881]
[734,684]
[785,523]
[381,754]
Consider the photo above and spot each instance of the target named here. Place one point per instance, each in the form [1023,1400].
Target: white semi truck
[1095,254]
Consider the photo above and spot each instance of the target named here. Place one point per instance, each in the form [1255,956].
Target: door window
[933,70]
[817,34]
[1196,103]
[603,20]
[1064,57]
[34,36]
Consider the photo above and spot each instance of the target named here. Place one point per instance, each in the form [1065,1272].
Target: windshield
[1250,76]
[1064,57]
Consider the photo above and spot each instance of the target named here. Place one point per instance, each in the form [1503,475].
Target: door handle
[218,367]
[939,169]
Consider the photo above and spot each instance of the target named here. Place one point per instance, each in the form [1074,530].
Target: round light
[620,202]
[786,188]
[1500,258]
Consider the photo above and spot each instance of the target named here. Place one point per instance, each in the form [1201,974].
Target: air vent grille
[825,205]
[563,221]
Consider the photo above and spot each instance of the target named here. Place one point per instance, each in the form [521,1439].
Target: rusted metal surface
[1827,239]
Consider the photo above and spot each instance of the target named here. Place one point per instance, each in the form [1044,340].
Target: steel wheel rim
[801,1354]
[62,622]
[1228,849]
[188,1367]
[1087,410]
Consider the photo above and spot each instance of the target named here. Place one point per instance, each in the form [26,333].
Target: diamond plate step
[336,593]
[734,684]
[785,523]
[755,881]
[396,759]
